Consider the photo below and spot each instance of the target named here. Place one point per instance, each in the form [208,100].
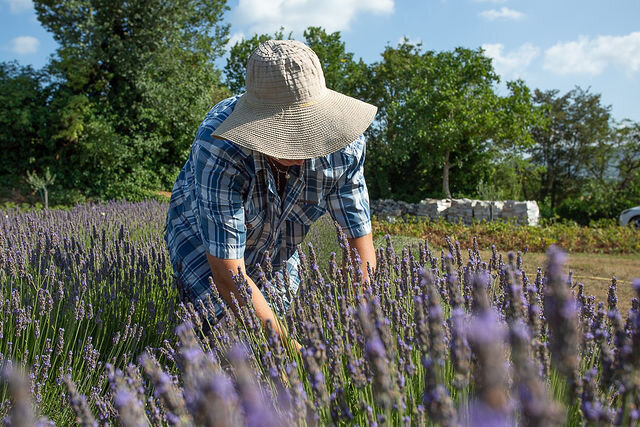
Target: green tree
[615,185]
[590,164]
[387,84]
[135,80]
[626,140]
[341,72]
[573,146]
[25,111]
[41,184]
[441,110]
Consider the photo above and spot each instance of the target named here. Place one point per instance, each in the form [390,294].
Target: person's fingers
[297,346]
[285,379]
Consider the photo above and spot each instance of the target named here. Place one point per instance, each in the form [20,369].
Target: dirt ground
[596,272]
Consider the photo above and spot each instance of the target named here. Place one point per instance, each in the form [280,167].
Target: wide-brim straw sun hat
[287,111]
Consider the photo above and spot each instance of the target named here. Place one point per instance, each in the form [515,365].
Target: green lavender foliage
[91,314]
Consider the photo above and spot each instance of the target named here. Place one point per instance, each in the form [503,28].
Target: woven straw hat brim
[298,131]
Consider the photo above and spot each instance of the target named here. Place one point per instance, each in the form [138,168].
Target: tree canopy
[114,112]
[133,80]
[578,125]
[24,116]
[442,110]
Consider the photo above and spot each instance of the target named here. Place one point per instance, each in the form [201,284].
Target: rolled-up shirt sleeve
[348,204]
[219,186]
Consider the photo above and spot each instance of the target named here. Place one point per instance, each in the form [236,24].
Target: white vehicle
[631,217]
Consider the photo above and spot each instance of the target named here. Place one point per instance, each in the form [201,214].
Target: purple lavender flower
[460,352]
[453,284]
[21,412]
[486,337]
[482,414]
[258,409]
[316,378]
[130,409]
[481,284]
[65,272]
[593,408]
[384,391]
[612,297]
[168,392]
[436,335]
[635,284]
[534,399]
[340,410]
[561,312]
[436,399]
[80,406]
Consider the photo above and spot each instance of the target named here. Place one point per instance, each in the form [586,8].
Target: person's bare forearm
[366,252]
[222,269]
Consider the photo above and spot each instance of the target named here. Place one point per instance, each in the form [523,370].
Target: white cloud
[235,38]
[512,64]
[267,16]
[502,13]
[25,45]
[17,6]
[592,56]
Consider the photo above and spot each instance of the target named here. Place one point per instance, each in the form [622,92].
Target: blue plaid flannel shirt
[225,202]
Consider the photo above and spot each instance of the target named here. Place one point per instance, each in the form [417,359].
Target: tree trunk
[445,175]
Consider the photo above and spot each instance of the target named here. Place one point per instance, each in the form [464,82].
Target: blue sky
[550,44]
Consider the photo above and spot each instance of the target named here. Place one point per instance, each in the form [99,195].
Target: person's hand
[296,345]
[364,303]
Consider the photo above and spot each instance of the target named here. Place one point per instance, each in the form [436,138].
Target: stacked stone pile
[454,210]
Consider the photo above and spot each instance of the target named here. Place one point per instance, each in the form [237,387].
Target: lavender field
[92,332]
